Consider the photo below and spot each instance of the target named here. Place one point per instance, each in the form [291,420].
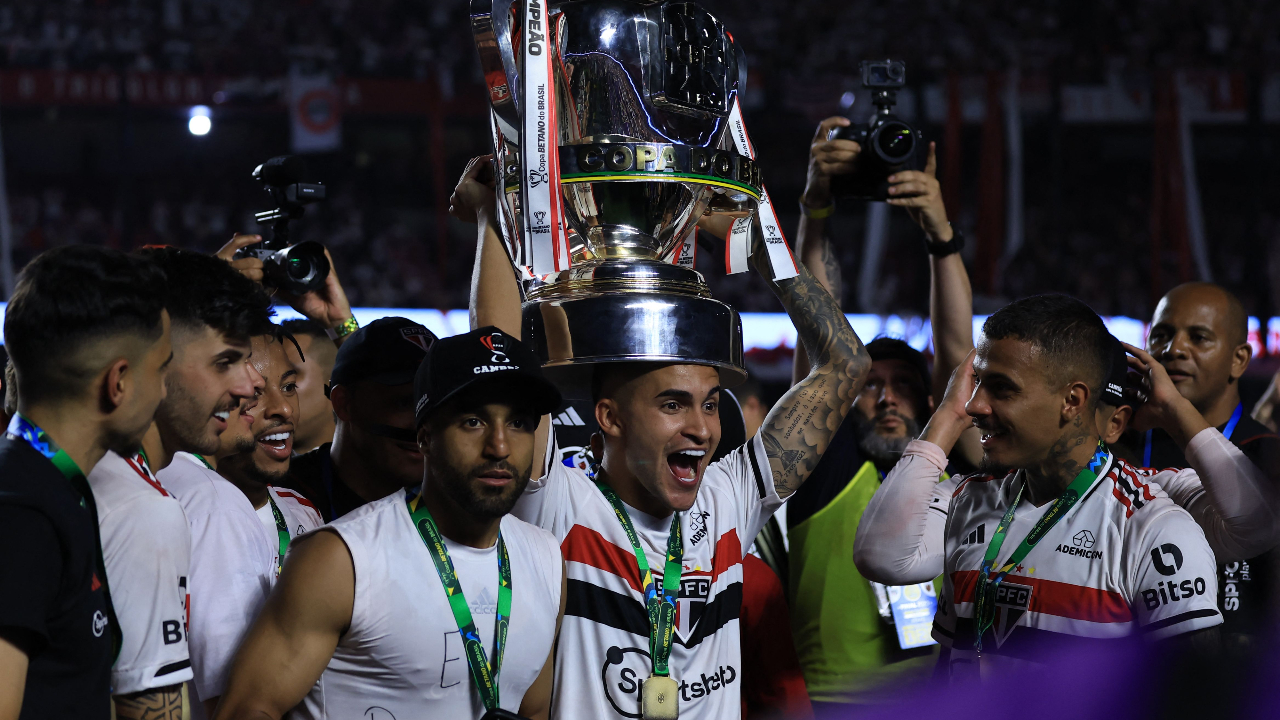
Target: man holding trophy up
[616,134]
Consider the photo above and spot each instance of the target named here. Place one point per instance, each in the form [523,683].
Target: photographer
[849,652]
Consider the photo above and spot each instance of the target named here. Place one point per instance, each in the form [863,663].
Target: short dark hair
[1070,335]
[607,377]
[205,291]
[300,326]
[68,298]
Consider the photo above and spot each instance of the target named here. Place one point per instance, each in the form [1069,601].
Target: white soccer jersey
[299,514]
[605,621]
[146,546]
[233,567]
[1124,560]
[402,656]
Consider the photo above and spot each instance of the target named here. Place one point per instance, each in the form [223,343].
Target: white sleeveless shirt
[402,657]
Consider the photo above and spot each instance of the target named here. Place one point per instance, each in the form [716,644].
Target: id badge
[913,608]
[659,698]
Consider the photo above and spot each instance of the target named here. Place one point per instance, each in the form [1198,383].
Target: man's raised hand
[828,158]
[474,194]
[919,192]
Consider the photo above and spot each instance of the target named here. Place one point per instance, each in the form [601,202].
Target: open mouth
[989,436]
[278,445]
[684,465]
[222,416]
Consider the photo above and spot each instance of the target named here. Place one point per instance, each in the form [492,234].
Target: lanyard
[1227,429]
[985,611]
[662,610]
[21,428]
[282,529]
[484,675]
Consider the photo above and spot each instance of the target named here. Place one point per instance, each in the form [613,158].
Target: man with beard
[393,605]
[256,449]
[374,452]
[215,311]
[90,340]
[1095,549]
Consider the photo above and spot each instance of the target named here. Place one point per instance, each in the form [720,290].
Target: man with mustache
[428,603]
[1199,334]
[257,448]
[1056,536]
[374,452]
[90,340]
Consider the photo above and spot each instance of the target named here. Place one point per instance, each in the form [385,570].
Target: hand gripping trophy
[616,126]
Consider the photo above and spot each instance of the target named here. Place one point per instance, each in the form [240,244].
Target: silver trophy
[643,93]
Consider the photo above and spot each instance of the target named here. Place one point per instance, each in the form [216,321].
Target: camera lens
[895,142]
[298,268]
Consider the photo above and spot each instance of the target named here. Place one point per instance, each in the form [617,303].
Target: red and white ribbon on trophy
[546,242]
[738,244]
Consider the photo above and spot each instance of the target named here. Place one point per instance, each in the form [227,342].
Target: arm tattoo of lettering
[162,704]
[799,428]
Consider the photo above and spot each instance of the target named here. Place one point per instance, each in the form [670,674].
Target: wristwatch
[950,247]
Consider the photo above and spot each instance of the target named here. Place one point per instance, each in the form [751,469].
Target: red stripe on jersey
[728,553]
[589,547]
[295,496]
[1051,597]
[973,478]
[137,466]
[1128,506]
[1146,489]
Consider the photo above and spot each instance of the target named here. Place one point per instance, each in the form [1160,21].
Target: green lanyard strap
[282,529]
[984,610]
[23,429]
[662,610]
[484,675]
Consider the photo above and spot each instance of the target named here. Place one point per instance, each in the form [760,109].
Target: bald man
[1200,335]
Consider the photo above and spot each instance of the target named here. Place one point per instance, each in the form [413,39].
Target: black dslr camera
[889,144]
[296,269]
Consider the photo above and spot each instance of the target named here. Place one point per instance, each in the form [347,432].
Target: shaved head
[1200,334]
[1232,321]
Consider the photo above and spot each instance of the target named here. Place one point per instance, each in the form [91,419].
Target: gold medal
[659,698]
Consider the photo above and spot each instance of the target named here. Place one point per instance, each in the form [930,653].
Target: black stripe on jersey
[173,668]
[1179,618]
[599,605]
[751,453]
[726,606]
[1026,643]
[594,603]
[943,631]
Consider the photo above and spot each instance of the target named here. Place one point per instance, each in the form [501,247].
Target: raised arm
[813,246]
[798,429]
[295,636]
[495,289]
[901,536]
[1233,500]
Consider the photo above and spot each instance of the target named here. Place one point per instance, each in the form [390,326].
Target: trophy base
[572,329]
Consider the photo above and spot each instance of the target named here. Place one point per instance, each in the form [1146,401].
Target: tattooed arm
[160,704]
[813,246]
[798,429]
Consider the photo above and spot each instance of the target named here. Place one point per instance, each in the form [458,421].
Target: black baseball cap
[887,348]
[1118,377]
[485,357]
[387,351]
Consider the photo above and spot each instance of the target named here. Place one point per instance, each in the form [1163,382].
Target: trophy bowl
[642,93]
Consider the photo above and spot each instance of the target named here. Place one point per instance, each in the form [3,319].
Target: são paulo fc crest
[694,588]
[418,336]
[1012,602]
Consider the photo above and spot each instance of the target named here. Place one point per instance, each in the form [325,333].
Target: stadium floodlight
[201,122]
